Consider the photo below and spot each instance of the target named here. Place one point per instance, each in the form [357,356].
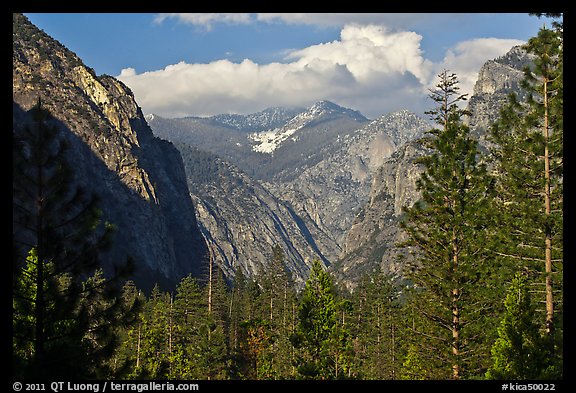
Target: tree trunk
[393,346]
[548,241]
[455,311]
[138,346]
[170,338]
[455,334]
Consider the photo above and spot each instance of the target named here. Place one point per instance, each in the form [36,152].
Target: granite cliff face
[496,80]
[139,178]
[372,238]
[242,220]
[329,194]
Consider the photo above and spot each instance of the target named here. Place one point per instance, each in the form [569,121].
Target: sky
[205,64]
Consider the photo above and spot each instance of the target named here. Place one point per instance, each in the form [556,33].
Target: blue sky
[204,64]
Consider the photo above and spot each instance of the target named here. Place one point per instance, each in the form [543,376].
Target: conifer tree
[276,297]
[517,353]
[528,158]
[215,331]
[445,230]
[62,322]
[127,357]
[190,316]
[153,353]
[340,353]
[242,301]
[317,337]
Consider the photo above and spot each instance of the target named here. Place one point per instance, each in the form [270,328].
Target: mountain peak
[270,140]
[325,107]
[325,104]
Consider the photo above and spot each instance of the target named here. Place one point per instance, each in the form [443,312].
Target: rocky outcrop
[373,237]
[497,79]
[139,178]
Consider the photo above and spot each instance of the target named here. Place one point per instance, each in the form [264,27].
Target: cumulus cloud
[369,68]
[371,50]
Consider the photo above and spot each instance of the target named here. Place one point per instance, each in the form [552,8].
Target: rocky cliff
[329,194]
[373,236]
[242,220]
[497,79]
[139,178]
[371,239]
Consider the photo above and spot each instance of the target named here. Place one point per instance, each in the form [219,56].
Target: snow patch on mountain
[268,141]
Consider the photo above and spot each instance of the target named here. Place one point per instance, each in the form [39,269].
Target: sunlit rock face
[139,178]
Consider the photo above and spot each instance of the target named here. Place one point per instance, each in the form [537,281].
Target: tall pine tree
[445,229]
[528,141]
[528,153]
[190,316]
[319,339]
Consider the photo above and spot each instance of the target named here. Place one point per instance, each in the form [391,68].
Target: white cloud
[370,68]
[392,20]
[371,50]
[206,20]
[127,73]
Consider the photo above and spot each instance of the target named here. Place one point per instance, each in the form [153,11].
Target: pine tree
[153,337]
[317,338]
[517,353]
[58,238]
[340,351]
[275,282]
[190,317]
[276,297]
[415,366]
[127,357]
[215,330]
[243,297]
[107,312]
[528,141]
[445,230]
